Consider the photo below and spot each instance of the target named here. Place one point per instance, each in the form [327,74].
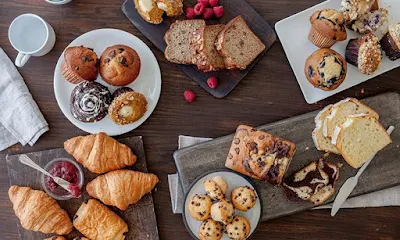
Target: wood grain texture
[268,93]
[140,217]
[228,79]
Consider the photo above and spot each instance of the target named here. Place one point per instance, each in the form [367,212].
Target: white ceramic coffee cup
[30,35]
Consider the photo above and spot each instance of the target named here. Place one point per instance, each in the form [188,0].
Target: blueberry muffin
[127,108]
[120,91]
[325,69]
[371,21]
[243,198]
[222,211]
[200,207]
[80,64]
[216,188]
[119,65]
[90,101]
[327,27]
[391,42]
[364,53]
[353,9]
[211,230]
[239,229]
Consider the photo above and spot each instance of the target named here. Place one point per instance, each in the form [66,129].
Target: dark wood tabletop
[269,93]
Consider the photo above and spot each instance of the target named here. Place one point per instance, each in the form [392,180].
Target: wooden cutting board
[227,79]
[140,217]
[383,172]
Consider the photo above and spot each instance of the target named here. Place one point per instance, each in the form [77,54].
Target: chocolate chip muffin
[127,108]
[243,198]
[325,69]
[239,229]
[200,207]
[119,65]
[391,42]
[216,188]
[222,211]
[211,230]
[80,64]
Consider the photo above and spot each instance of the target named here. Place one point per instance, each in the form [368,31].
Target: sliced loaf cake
[238,44]
[321,142]
[177,38]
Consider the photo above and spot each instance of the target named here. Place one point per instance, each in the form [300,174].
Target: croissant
[121,188]
[97,222]
[39,212]
[100,153]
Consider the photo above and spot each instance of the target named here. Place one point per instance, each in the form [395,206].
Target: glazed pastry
[121,188]
[243,198]
[259,154]
[211,230]
[371,21]
[100,153]
[216,187]
[38,212]
[149,11]
[127,108]
[391,42]
[325,69]
[353,9]
[56,238]
[119,65]
[80,64]
[222,211]
[239,229]
[364,53]
[327,27]
[173,8]
[90,101]
[120,91]
[96,221]
[200,207]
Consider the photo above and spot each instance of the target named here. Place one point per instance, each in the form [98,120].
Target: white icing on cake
[146,5]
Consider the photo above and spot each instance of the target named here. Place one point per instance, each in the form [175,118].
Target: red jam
[68,172]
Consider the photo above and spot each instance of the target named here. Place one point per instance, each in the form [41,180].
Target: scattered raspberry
[189,95]
[208,13]
[199,9]
[212,82]
[204,2]
[218,11]
[213,3]
[190,13]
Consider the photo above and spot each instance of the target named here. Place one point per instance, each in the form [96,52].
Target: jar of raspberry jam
[68,170]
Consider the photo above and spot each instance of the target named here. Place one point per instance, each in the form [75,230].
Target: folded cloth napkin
[20,117]
[386,197]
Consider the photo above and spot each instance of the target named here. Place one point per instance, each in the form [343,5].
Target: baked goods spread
[222,211]
[391,42]
[243,198]
[211,230]
[127,108]
[80,64]
[238,229]
[259,154]
[200,207]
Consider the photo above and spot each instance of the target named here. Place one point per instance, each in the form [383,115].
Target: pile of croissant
[117,187]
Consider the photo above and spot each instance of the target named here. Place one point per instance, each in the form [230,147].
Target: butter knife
[350,184]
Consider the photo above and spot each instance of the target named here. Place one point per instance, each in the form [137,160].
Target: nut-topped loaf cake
[259,154]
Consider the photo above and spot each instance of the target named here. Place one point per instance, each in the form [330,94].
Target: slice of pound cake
[178,44]
[321,142]
[202,42]
[238,44]
[359,138]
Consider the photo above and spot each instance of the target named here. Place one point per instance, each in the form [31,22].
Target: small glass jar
[59,193]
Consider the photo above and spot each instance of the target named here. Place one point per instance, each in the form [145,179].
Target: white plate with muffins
[299,49]
[107,80]
[220,204]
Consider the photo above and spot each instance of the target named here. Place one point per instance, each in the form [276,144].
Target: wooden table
[269,93]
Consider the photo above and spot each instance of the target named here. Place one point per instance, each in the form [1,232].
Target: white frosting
[338,129]
[125,111]
[162,6]
[146,5]
[318,121]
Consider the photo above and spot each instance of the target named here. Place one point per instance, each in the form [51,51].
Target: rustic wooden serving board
[227,79]
[383,172]
[140,217]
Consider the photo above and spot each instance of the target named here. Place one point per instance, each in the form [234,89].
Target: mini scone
[216,188]
[391,42]
[80,64]
[149,11]
[200,207]
[127,108]
[222,211]
[211,230]
[243,198]
[327,27]
[173,8]
[325,69]
[239,229]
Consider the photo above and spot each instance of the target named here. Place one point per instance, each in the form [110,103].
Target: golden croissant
[100,153]
[121,188]
[97,222]
[37,211]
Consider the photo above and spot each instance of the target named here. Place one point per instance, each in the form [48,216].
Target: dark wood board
[140,217]
[382,173]
[228,79]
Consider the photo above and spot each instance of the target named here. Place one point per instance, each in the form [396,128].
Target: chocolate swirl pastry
[90,101]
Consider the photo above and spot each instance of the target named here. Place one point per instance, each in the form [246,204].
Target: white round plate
[234,180]
[148,82]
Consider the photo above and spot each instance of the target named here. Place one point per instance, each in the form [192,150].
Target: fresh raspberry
[218,11]
[189,95]
[213,3]
[208,13]
[199,9]
[212,82]
[190,13]
[204,2]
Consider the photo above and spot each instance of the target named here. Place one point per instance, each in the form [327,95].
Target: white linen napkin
[20,117]
[386,197]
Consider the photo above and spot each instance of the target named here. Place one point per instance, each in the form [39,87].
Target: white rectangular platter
[298,48]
